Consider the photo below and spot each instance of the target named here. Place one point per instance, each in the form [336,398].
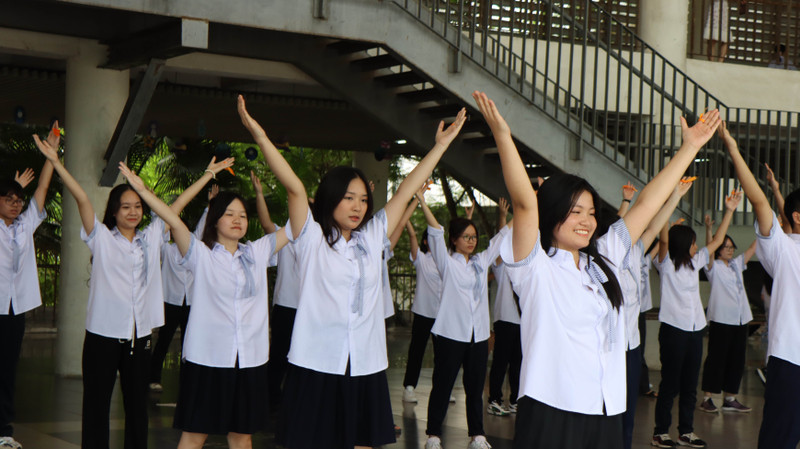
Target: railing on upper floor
[609,87]
[750,32]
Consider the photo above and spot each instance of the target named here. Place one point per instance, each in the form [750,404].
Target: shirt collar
[220,247]
[139,235]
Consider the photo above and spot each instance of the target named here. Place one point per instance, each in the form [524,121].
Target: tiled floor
[49,408]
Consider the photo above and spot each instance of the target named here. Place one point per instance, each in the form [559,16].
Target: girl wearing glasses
[728,315]
[461,329]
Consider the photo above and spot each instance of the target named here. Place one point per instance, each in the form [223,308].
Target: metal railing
[751,32]
[618,96]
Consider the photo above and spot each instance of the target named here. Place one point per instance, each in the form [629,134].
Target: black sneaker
[662,440]
[691,440]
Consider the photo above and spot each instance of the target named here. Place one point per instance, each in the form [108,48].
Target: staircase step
[423,95]
[348,47]
[376,62]
[442,111]
[400,79]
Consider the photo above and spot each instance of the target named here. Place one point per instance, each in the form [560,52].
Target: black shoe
[691,440]
[662,440]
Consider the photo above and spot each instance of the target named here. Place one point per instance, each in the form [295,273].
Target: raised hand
[677,222]
[48,150]
[684,185]
[133,179]
[708,221]
[628,190]
[25,178]
[702,131]
[469,211]
[256,183]
[249,122]
[770,175]
[490,113]
[371,186]
[502,205]
[725,135]
[54,137]
[733,200]
[446,136]
[213,192]
[215,167]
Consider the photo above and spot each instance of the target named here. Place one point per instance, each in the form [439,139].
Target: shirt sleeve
[374,232]
[155,231]
[310,237]
[264,249]
[189,260]
[91,239]
[740,262]
[489,255]
[32,218]
[437,248]
[701,259]
[616,244]
[770,247]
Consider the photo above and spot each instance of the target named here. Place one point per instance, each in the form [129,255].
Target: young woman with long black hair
[573,334]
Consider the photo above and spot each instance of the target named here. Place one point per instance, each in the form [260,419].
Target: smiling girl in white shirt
[125,302]
[573,335]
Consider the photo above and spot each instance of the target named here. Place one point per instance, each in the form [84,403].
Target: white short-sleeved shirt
[287,284]
[505,307]
[428,294]
[680,293]
[728,302]
[464,310]
[573,343]
[176,279]
[779,253]
[388,301]
[121,291]
[646,300]
[228,319]
[337,322]
[19,285]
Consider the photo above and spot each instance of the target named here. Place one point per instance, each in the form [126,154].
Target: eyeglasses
[11,201]
[469,238]
[728,247]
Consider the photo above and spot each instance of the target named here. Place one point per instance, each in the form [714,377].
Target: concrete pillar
[377,172]
[664,25]
[94,101]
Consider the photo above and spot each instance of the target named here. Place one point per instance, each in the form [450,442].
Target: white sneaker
[512,408]
[452,398]
[155,386]
[409,395]
[433,443]
[496,408]
[479,443]
[9,443]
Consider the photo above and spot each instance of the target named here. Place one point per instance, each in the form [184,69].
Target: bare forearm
[263,214]
[661,218]
[44,183]
[719,236]
[429,217]
[188,195]
[398,231]
[411,184]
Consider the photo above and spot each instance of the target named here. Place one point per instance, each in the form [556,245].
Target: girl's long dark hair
[681,238]
[719,250]
[115,202]
[556,197]
[330,192]
[423,241]
[216,209]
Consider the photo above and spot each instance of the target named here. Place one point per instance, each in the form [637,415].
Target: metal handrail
[630,114]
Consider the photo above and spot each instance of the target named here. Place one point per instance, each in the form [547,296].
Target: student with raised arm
[779,201]
[507,352]
[779,253]
[633,291]
[427,297]
[728,315]
[125,301]
[176,285]
[338,356]
[682,320]
[19,277]
[461,329]
[573,331]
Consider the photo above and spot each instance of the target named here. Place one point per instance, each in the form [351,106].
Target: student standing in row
[125,302]
[779,252]
[573,334]
[177,282]
[682,319]
[19,278]
[507,347]
[461,329]
[728,315]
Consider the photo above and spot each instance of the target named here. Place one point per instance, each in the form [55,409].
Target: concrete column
[94,101]
[377,172]
[665,26]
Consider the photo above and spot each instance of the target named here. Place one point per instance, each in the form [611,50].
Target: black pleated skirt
[542,426]
[329,411]
[221,400]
